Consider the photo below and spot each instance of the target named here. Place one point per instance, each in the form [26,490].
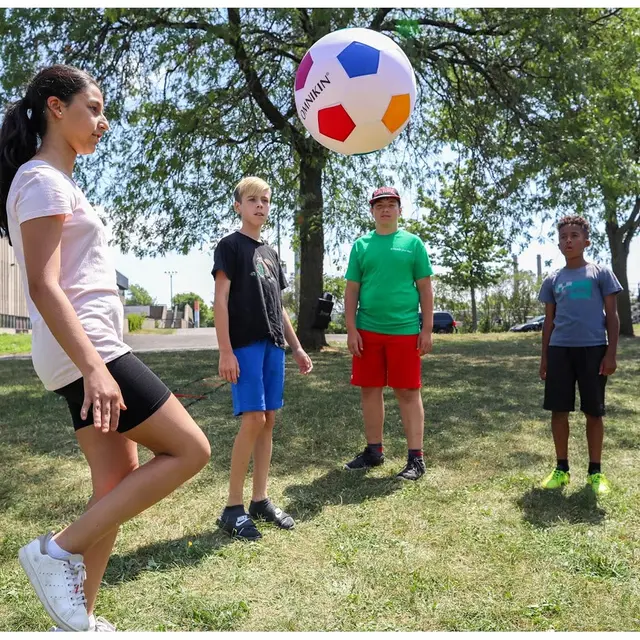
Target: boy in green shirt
[389,274]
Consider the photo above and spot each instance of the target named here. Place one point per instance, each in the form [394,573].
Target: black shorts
[565,367]
[142,391]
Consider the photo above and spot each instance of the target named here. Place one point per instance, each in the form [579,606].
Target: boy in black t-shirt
[252,326]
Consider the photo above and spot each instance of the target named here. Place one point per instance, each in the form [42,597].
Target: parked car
[535,324]
[443,322]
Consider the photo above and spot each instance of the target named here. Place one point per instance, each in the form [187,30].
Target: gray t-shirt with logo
[579,298]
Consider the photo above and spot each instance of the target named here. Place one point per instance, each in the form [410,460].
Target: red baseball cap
[385,192]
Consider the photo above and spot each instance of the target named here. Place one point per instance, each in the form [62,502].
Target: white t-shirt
[87,274]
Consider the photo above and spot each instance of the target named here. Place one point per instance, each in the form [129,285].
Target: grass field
[11,343]
[473,546]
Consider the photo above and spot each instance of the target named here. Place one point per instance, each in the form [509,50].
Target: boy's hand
[354,342]
[303,361]
[425,342]
[229,369]
[543,368]
[608,365]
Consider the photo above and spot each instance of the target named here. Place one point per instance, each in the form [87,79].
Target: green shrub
[135,322]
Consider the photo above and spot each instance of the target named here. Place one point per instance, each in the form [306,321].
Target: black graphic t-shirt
[255,299]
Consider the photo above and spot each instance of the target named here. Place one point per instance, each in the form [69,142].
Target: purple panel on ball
[303,70]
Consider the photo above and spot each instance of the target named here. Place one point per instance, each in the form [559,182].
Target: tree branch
[391,25]
[378,18]
[251,77]
[305,21]
[632,223]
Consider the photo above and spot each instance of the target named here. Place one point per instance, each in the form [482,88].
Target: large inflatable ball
[355,90]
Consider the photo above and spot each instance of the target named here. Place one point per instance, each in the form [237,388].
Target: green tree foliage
[465,235]
[138,295]
[200,97]
[206,311]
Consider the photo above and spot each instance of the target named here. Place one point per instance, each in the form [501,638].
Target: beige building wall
[12,300]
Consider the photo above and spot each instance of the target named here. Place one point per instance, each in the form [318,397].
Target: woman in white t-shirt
[116,402]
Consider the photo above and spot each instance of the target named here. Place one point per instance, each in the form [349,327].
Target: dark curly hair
[578,221]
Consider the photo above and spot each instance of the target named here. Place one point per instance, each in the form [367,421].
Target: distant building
[13,305]
[14,314]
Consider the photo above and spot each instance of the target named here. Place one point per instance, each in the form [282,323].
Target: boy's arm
[299,354]
[351,297]
[608,365]
[547,330]
[228,369]
[425,339]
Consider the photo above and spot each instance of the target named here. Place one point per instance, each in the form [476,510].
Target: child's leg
[560,430]
[111,457]
[262,457]
[412,414]
[592,388]
[595,436]
[253,424]
[273,380]
[372,413]
[405,376]
[369,372]
[181,450]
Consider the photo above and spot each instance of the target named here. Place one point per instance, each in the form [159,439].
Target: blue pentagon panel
[359,59]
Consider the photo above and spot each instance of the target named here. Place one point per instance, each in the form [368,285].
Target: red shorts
[387,360]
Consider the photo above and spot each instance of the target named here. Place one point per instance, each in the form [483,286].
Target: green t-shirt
[387,267]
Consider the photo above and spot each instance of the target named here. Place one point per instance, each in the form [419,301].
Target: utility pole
[171,274]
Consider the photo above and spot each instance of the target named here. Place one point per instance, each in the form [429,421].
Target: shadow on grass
[337,487]
[545,508]
[165,555]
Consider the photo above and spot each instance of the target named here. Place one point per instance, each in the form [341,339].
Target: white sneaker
[99,625]
[103,625]
[57,583]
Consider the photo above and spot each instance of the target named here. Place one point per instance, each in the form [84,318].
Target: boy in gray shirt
[581,312]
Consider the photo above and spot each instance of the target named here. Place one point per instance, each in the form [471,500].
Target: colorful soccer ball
[355,90]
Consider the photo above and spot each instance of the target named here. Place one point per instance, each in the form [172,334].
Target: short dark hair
[578,221]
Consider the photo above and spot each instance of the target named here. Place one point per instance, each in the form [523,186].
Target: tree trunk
[619,254]
[474,311]
[311,234]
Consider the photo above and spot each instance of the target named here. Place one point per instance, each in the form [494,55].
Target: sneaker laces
[76,574]
[558,473]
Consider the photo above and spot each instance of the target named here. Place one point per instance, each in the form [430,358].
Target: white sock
[56,551]
[92,622]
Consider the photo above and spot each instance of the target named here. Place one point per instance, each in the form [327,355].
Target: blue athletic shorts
[260,386]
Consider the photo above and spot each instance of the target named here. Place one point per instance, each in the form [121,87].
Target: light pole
[171,274]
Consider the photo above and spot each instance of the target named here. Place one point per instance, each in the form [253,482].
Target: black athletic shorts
[142,391]
[565,367]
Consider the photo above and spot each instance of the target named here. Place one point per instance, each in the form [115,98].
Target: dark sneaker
[414,469]
[239,526]
[365,460]
[267,511]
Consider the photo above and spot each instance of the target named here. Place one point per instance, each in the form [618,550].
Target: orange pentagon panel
[397,112]
[334,122]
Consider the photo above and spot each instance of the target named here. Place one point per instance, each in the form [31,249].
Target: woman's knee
[198,450]
[104,480]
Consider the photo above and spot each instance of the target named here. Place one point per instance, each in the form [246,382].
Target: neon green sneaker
[599,483]
[556,479]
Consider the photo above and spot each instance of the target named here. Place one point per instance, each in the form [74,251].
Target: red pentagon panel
[334,122]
